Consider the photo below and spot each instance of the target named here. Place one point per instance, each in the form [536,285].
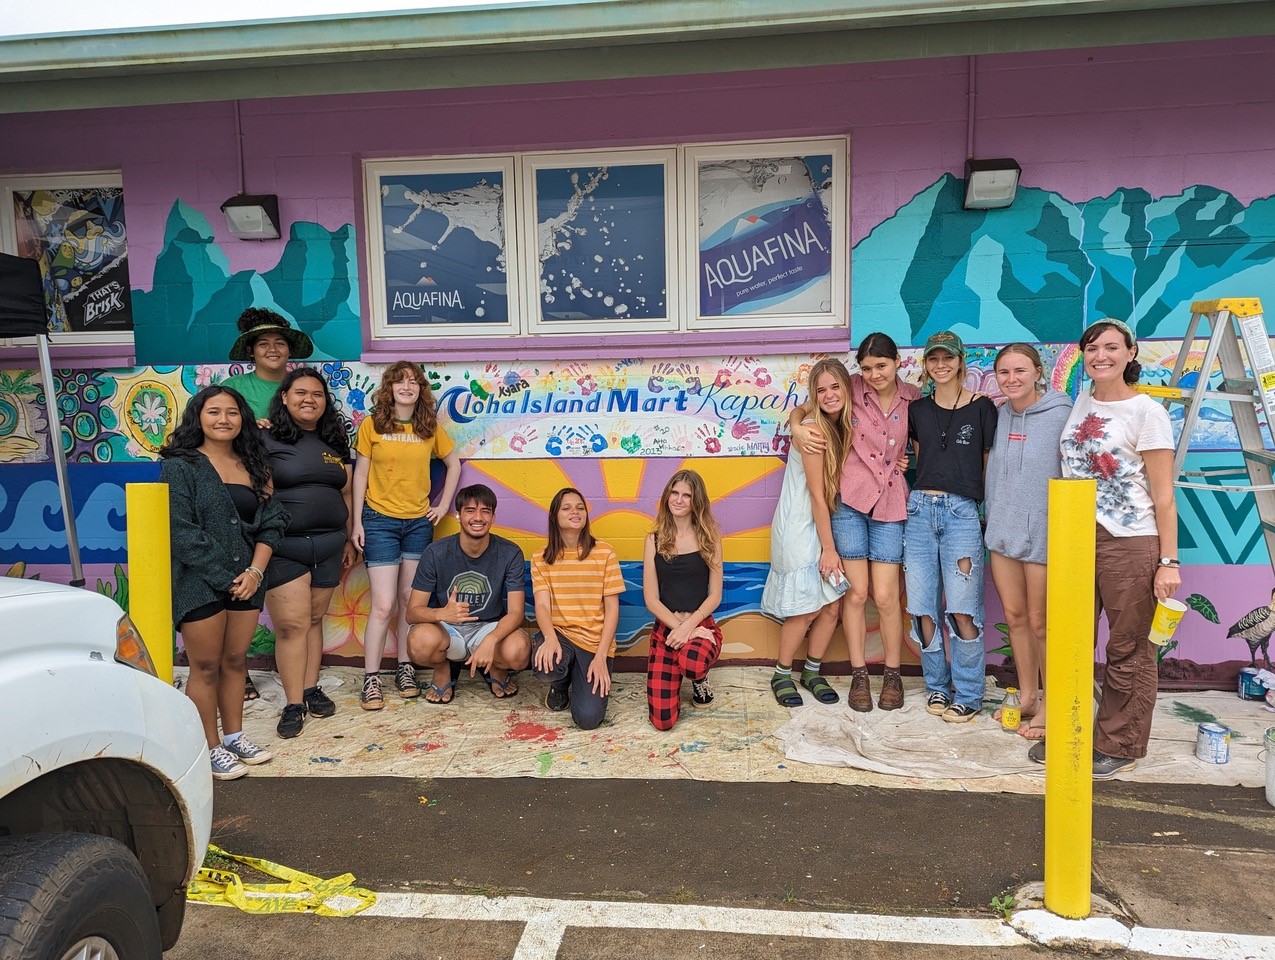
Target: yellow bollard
[150,583]
[1069,641]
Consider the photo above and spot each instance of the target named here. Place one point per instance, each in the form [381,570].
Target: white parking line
[547,920]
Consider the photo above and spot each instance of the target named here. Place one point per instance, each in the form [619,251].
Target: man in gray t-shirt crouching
[468,603]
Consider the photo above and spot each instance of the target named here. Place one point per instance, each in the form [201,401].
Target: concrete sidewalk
[745,737]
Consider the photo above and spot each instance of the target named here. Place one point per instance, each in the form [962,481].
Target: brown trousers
[1125,577]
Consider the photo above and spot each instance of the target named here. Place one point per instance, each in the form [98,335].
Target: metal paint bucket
[1212,743]
[1247,687]
[1268,743]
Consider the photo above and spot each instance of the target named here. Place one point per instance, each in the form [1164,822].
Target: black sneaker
[318,703]
[291,721]
[558,697]
[701,693]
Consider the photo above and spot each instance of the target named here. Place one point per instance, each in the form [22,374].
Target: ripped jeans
[943,560]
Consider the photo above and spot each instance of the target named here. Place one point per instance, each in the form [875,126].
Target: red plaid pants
[665,668]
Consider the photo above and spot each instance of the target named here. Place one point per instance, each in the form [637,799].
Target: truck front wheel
[74,896]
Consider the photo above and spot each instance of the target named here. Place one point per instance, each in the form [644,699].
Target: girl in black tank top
[682,586]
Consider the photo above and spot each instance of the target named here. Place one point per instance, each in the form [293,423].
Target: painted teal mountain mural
[1042,269]
[189,314]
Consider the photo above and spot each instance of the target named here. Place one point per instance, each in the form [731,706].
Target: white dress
[794,586]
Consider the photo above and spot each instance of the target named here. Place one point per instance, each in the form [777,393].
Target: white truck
[105,785]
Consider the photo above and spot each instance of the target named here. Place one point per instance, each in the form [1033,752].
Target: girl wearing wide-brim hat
[269,341]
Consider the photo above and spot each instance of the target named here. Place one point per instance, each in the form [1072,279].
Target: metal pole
[150,572]
[59,459]
[1069,632]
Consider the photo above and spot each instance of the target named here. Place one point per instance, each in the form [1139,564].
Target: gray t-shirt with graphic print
[484,582]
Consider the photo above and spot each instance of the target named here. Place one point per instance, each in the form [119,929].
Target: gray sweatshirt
[1023,459]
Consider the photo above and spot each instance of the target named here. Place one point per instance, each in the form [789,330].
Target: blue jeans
[942,531]
[388,541]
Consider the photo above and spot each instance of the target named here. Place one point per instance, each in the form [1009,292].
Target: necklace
[944,427]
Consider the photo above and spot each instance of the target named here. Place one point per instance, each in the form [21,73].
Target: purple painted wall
[1081,123]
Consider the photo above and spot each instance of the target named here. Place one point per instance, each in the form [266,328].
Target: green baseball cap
[944,340]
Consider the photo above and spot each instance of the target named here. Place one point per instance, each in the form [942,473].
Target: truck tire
[71,896]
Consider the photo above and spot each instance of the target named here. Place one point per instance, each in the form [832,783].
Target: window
[704,240]
[73,224]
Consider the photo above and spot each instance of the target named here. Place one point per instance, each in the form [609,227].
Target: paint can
[1247,687]
[1268,743]
[1212,743]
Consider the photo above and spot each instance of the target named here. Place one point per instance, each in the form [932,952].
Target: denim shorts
[858,537]
[388,540]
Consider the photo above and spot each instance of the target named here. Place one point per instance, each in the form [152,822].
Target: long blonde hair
[707,531]
[839,432]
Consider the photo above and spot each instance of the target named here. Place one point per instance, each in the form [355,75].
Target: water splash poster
[444,247]
[765,236]
[602,242]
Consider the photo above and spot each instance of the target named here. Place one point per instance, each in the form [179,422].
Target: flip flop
[504,685]
[1029,731]
[785,691]
[446,693]
[250,691]
[820,687]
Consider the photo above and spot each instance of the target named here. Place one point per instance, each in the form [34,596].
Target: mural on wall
[1041,269]
[188,316]
[617,429]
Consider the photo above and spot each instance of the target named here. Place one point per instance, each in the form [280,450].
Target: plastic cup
[1165,622]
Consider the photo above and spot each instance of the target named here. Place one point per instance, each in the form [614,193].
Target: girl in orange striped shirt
[577,584]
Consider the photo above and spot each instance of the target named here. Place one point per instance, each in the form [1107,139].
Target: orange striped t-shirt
[576,589]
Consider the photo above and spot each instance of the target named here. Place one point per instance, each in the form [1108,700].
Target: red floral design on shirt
[1103,465]
[1093,427]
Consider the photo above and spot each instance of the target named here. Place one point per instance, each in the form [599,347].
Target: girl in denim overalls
[953,429]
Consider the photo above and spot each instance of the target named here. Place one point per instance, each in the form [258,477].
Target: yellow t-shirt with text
[576,589]
[398,474]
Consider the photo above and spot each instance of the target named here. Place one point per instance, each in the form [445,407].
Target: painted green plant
[1201,605]
[262,642]
[118,592]
[1004,649]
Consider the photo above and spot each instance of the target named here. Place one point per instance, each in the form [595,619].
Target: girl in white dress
[805,583]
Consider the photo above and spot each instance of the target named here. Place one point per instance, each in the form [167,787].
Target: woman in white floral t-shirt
[1122,439]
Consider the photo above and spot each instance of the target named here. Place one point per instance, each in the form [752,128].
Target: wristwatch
[1170,562]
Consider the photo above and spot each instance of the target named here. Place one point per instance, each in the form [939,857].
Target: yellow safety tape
[302,893]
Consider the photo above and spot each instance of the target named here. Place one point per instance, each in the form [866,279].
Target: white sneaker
[225,765]
[247,752]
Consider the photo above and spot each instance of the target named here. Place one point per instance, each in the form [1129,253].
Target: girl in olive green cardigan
[224,527]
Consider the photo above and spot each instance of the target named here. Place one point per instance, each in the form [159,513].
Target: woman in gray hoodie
[1022,461]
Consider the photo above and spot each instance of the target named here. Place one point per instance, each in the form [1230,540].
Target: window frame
[528,203]
[838,316]
[379,327]
[18,183]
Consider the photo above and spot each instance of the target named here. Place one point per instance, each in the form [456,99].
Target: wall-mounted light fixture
[253,216]
[250,216]
[990,184]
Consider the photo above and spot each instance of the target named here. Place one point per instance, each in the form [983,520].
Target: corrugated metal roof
[566,39]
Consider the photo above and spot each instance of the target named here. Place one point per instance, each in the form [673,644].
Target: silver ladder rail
[1231,322]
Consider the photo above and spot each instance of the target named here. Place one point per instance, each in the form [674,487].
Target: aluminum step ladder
[1231,324]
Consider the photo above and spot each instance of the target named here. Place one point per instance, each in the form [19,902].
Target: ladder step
[1260,456]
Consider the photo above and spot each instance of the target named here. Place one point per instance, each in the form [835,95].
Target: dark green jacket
[210,545]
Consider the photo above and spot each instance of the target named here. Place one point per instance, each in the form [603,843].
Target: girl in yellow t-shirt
[393,518]
[577,584]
